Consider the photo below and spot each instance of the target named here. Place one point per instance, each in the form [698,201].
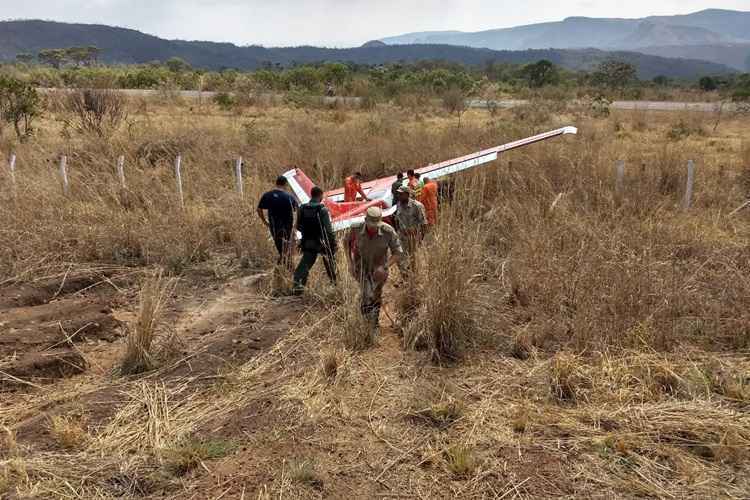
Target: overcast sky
[338,23]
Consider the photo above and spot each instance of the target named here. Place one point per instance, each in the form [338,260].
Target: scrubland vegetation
[562,340]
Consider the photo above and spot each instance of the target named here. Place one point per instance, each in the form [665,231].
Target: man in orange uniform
[429,198]
[352,187]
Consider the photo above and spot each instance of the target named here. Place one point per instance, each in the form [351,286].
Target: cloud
[330,22]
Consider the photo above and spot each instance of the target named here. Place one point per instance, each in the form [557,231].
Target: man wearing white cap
[369,245]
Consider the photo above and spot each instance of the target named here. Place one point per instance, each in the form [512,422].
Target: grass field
[562,340]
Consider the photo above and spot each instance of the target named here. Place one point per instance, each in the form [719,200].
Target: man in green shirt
[318,238]
[410,221]
[369,245]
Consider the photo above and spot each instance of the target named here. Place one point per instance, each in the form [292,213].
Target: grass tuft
[139,356]
[460,461]
[191,453]
[69,432]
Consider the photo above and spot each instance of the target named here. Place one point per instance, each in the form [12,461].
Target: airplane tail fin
[300,184]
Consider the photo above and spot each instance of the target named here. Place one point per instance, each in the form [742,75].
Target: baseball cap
[374,216]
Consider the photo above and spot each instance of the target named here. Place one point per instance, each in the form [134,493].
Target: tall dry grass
[541,226]
[139,354]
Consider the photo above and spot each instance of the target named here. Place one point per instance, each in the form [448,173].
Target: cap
[374,216]
[403,189]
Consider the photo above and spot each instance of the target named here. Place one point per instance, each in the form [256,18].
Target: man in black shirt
[281,207]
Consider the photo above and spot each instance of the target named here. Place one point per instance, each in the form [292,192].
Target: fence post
[238,177]
[64,174]
[12,165]
[178,176]
[619,178]
[688,201]
[121,170]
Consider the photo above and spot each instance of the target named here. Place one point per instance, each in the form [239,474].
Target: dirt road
[705,107]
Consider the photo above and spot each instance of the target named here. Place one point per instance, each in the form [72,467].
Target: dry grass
[69,432]
[139,355]
[626,323]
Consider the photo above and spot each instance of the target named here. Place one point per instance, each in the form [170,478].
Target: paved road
[706,107]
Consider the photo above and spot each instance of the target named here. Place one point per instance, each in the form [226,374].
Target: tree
[614,74]
[707,84]
[25,58]
[54,57]
[454,101]
[661,81]
[540,73]
[177,65]
[19,105]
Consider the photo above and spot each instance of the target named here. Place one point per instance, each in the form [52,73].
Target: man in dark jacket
[280,206]
[318,238]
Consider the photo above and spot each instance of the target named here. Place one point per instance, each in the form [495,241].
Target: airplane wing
[346,215]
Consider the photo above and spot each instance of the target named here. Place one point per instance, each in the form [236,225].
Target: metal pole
[64,174]
[688,201]
[238,177]
[178,176]
[121,170]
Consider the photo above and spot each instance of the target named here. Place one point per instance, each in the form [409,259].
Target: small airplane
[347,214]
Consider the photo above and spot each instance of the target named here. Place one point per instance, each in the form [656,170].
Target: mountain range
[721,36]
[127,46]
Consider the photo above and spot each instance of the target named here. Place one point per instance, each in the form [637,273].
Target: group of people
[372,248]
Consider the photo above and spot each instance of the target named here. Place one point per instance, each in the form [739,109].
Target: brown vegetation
[576,346]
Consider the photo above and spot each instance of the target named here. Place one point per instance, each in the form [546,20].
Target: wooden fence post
[238,177]
[619,179]
[121,170]
[12,165]
[64,174]
[178,176]
[688,201]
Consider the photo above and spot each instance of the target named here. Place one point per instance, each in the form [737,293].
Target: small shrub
[681,130]
[436,406]
[460,461]
[99,112]
[303,472]
[520,422]
[564,378]
[225,101]
[329,364]
[68,432]
[189,454]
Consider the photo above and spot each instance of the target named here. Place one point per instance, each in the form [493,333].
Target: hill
[709,27]
[126,46]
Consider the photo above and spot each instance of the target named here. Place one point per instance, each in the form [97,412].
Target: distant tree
[614,74]
[19,105]
[82,56]
[540,73]
[661,81]
[454,101]
[25,58]
[177,65]
[54,57]
[336,73]
[707,84]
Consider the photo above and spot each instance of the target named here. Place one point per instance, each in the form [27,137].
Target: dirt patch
[41,367]
[44,291]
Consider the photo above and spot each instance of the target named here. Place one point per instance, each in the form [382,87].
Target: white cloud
[331,22]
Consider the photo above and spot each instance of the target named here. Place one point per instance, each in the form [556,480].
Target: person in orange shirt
[429,198]
[352,187]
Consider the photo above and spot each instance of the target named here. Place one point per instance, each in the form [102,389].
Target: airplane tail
[300,184]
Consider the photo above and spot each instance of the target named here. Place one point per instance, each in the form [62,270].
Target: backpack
[310,223]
